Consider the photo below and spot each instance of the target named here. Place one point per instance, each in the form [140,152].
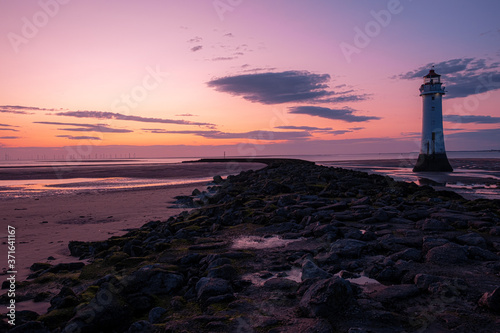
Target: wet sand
[472,178]
[45,225]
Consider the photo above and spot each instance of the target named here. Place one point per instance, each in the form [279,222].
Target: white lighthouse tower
[432,155]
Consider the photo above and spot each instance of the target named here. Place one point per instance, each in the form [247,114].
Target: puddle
[256,242]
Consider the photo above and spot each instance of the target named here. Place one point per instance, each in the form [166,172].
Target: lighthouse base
[434,162]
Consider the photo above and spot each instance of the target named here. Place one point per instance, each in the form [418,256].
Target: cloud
[305,128]
[186,115]
[223,58]
[195,39]
[101,128]
[274,88]
[19,109]
[282,87]
[9,137]
[463,77]
[71,137]
[196,48]
[9,129]
[324,130]
[481,139]
[119,116]
[454,118]
[345,114]
[252,135]
[229,35]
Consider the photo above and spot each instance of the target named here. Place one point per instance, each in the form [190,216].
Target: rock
[491,300]
[226,272]
[212,287]
[218,179]
[429,242]
[72,266]
[423,281]
[381,215]
[473,239]
[65,299]
[30,327]
[153,280]
[280,228]
[447,254]
[327,298]
[141,326]
[395,293]
[280,283]
[434,225]
[479,253]
[311,271]
[195,192]
[408,254]
[274,188]
[348,247]
[362,201]
[105,313]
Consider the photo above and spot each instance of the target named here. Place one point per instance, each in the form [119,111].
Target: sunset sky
[250,77]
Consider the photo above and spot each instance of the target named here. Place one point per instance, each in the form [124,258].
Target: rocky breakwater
[293,247]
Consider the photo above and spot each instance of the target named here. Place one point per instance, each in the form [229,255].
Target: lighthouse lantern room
[432,155]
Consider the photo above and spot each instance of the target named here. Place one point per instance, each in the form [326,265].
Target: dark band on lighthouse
[432,155]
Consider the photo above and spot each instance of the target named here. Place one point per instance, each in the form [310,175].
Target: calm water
[470,182]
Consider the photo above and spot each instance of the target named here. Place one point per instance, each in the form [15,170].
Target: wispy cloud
[344,114]
[119,116]
[252,135]
[467,119]
[19,109]
[186,115]
[196,48]
[464,77]
[71,137]
[282,87]
[101,128]
[223,58]
[9,137]
[196,39]
[305,128]
[6,127]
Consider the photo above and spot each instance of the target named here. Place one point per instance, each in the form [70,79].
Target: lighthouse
[432,155]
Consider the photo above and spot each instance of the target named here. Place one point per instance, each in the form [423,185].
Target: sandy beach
[45,224]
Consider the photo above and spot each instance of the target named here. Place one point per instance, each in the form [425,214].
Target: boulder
[153,280]
[348,247]
[311,271]
[433,225]
[327,298]
[212,287]
[472,239]
[447,254]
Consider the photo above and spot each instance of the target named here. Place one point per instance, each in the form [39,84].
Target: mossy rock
[89,293]
[95,270]
[131,262]
[57,318]
[116,258]
[46,277]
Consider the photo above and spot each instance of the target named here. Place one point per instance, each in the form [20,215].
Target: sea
[470,179]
